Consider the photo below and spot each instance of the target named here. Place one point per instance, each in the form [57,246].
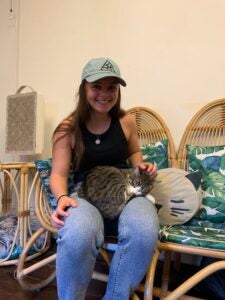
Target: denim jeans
[81,237]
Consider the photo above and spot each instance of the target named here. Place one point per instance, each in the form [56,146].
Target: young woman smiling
[99,132]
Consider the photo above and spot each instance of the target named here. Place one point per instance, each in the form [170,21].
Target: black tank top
[112,150]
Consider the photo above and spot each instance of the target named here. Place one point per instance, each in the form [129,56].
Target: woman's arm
[61,163]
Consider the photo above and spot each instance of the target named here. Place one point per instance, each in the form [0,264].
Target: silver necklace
[98,136]
[97,141]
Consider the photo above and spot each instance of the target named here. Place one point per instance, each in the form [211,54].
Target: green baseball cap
[98,68]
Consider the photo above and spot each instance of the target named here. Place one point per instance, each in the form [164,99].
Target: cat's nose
[139,190]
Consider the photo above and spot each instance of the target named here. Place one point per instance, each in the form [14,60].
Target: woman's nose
[104,93]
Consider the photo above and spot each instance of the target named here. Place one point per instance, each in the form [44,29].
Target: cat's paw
[150,198]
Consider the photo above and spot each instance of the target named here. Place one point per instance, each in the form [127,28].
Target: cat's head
[140,178]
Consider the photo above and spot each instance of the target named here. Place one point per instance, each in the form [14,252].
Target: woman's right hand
[61,212]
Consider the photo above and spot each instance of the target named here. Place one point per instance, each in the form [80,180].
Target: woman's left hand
[150,168]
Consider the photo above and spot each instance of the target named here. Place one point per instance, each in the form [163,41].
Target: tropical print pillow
[44,169]
[210,161]
[156,153]
[195,233]
[8,225]
[10,247]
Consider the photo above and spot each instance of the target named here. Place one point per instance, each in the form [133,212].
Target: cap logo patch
[108,67]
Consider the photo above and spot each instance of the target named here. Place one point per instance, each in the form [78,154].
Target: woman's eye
[96,87]
[113,88]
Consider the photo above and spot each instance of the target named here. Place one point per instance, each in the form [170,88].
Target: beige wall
[170,52]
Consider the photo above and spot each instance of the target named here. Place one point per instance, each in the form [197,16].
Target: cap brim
[95,77]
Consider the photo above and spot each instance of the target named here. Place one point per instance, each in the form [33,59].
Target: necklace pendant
[97,141]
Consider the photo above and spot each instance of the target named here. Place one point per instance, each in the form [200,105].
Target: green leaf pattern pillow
[44,168]
[196,233]
[156,153]
[210,161]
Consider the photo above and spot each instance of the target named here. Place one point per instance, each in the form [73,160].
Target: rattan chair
[206,128]
[151,128]
[16,193]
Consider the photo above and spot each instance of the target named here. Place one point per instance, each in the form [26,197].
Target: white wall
[7,68]
[171,53]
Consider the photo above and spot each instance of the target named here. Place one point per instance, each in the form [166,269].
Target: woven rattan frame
[17,179]
[206,128]
[151,128]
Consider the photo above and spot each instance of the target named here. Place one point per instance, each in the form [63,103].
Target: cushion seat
[196,233]
[10,247]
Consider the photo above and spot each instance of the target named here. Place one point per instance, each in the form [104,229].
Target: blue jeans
[81,237]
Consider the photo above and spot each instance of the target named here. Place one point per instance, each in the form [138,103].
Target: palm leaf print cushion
[156,153]
[210,161]
[44,168]
[197,233]
[9,237]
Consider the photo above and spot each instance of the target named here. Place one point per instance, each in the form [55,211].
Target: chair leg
[105,256]
[149,281]
[135,297]
[196,278]
[22,272]
[165,274]
[150,275]
[177,260]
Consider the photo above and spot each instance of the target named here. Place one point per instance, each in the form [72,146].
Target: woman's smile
[102,94]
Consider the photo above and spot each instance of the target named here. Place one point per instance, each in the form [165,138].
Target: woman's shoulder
[65,125]
[63,130]
[128,125]
[67,121]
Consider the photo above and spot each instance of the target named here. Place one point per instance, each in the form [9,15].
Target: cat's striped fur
[109,188]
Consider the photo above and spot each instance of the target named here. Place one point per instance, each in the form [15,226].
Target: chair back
[152,128]
[206,128]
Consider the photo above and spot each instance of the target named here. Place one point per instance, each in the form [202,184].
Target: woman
[99,132]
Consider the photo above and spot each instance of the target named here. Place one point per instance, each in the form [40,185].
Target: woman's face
[102,94]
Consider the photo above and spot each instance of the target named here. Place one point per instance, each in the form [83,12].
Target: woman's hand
[150,168]
[60,211]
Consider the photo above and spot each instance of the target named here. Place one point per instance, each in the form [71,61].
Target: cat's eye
[135,182]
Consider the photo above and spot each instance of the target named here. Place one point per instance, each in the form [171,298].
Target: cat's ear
[195,178]
[137,171]
[140,171]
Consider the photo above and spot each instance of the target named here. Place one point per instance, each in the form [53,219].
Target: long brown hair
[78,118]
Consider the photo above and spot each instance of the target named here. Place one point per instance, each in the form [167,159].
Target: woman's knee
[83,228]
[139,221]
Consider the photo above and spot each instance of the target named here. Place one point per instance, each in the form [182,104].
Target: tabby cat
[110,188]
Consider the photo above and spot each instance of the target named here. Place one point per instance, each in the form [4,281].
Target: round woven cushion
[177,194]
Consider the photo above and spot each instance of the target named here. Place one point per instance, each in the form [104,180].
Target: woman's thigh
[83,224]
